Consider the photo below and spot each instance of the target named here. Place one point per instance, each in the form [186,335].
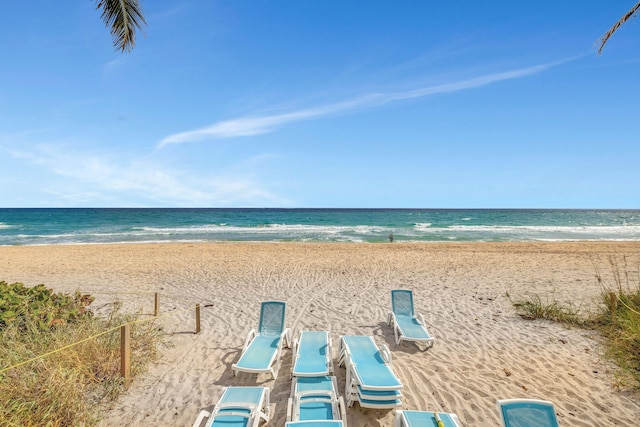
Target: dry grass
[534,307]
[64,389]
[617,318]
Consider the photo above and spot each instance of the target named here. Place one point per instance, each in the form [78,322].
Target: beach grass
[66,387]
[617,317]
[533,307]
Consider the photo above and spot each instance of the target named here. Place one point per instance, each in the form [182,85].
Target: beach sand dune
[483,350]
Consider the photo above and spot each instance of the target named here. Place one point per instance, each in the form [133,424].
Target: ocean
[82,226]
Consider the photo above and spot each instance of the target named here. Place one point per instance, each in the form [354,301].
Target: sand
[483,351]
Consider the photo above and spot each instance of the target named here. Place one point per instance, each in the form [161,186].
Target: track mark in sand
[276,278]
[310,293]
[372,279]
[285,282]
[263,276]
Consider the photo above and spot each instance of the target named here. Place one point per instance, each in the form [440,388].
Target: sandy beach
[483,351]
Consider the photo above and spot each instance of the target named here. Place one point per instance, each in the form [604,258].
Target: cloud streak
[256,125]
[92,179]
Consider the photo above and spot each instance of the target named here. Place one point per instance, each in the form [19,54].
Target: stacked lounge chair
[263,348]
[314,400]
[370,379]
[527,413]
[425,418]
[238,407]
[407,325]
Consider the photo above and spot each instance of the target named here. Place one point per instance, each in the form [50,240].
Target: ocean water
[81,226]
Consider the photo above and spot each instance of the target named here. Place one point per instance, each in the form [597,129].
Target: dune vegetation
[616,318]
[65,387]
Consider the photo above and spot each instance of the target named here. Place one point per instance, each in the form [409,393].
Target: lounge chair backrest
[527,413]
[272,318]
[402,302]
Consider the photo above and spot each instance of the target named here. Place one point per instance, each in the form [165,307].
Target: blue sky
[328,103]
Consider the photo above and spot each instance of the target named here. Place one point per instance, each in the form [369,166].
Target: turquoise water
[77,226]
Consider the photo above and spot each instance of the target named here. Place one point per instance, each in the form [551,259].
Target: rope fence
[125,335]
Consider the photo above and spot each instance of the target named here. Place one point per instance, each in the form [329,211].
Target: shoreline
[336,242]
[331,242]
[345,288]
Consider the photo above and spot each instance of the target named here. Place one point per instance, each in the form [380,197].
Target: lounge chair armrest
[251,335]
[289,409]
[343,411]
[201,416]
[421,319]
[267,405]
[330,355]
[342,352]
[391,317]
[386,353]
[286,335]
[294,355]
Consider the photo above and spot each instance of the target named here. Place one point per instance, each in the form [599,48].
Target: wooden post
[125,353]
[197,318]
[156,305]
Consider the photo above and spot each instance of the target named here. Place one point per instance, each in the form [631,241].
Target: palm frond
[630,14]
[122,17]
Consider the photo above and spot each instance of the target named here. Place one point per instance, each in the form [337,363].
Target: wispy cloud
[255,125]
[91,179]
[114,67]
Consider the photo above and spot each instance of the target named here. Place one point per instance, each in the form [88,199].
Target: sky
[324,103]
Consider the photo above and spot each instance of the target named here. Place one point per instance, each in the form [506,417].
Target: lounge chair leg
[398,421]
[201,416]
[349,402]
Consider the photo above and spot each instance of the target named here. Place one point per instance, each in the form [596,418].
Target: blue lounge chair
[238,407]
[407,326]
[315,399]
[262,349]
[527,413]
[370,379]
[425,418]
[312,355]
